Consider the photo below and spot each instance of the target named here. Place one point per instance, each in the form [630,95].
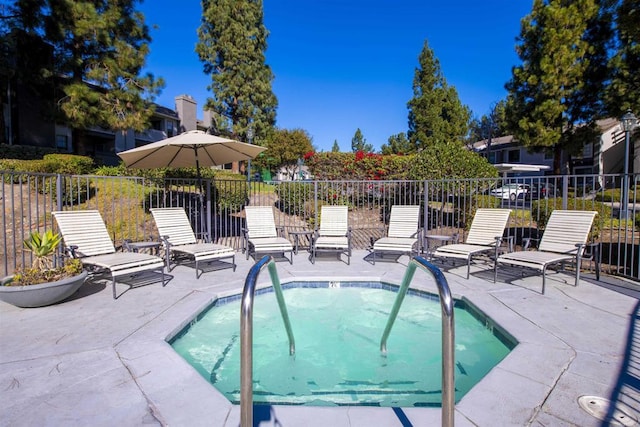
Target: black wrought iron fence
[216,210]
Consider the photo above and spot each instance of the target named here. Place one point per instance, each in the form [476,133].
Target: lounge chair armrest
[166,242]
[206,237]
[526,242]
[73,252]
[593,251]
[280,230]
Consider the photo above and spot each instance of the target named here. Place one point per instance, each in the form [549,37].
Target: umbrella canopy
[193,148]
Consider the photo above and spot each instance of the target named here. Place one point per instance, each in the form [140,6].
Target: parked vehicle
[543,190]
[511,192]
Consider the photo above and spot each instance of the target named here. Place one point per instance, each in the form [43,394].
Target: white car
[511,192]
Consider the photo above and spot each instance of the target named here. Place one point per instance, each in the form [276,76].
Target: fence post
[315,202]
[59,182]
[425,201]
[209,212]
[565,191]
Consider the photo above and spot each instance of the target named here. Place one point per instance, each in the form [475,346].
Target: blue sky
[340,65]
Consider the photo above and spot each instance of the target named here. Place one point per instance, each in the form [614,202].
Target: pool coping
[533,364]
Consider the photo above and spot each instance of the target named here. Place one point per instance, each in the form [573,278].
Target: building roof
[505,168]
[501,140]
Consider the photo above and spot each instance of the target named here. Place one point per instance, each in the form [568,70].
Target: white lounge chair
[564,239]
[86,238]
[404,235]
[180,241]
[334,234]
[261,234]
[485,235]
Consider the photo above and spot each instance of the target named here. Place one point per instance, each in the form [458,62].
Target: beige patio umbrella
[193,148]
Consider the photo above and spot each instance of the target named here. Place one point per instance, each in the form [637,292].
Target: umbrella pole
[201,197]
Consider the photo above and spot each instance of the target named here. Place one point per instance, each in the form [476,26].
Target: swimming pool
[337,327]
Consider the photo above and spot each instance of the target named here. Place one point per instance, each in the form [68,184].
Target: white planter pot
[42,294]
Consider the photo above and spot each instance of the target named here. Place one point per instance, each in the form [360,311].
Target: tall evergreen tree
[397,144]
[336,147]
[435,111]
[102,43]
[232,44]
[359,143]
[492,125]
[625,63]
[547,92]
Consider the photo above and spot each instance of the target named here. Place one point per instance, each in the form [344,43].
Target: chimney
[186,109]
[207,119]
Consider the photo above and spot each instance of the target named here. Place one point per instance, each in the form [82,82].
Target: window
[156,124]
[62,142]
[170,128]
[492,158]
[513,156]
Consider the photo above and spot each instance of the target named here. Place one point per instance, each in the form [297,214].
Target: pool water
[337,331]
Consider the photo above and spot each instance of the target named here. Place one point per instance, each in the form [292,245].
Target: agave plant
[43,246]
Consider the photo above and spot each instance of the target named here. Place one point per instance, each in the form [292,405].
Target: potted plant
[42,284]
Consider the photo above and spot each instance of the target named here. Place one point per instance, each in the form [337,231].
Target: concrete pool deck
[94,361]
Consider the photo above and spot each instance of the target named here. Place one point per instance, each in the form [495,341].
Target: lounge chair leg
[468,267]
[495,271]
[113,285]
[162,272]
[578,266]
[544,277]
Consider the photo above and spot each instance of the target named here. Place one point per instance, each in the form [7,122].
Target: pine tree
[359,143]
[103,43]
[435,111]
[547,92]
[398,144]
[625,63]
[492,125]
[336,147]
[232,45]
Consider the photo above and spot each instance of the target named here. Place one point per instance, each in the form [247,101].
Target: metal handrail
[448,331]
[246,333]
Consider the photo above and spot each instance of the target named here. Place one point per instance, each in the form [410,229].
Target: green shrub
[294,196]
[119,170]
[24,152]
[615,195]
[450,161]
[68,164]
[357,166]
[51,163]
[230,193]
[543,208]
